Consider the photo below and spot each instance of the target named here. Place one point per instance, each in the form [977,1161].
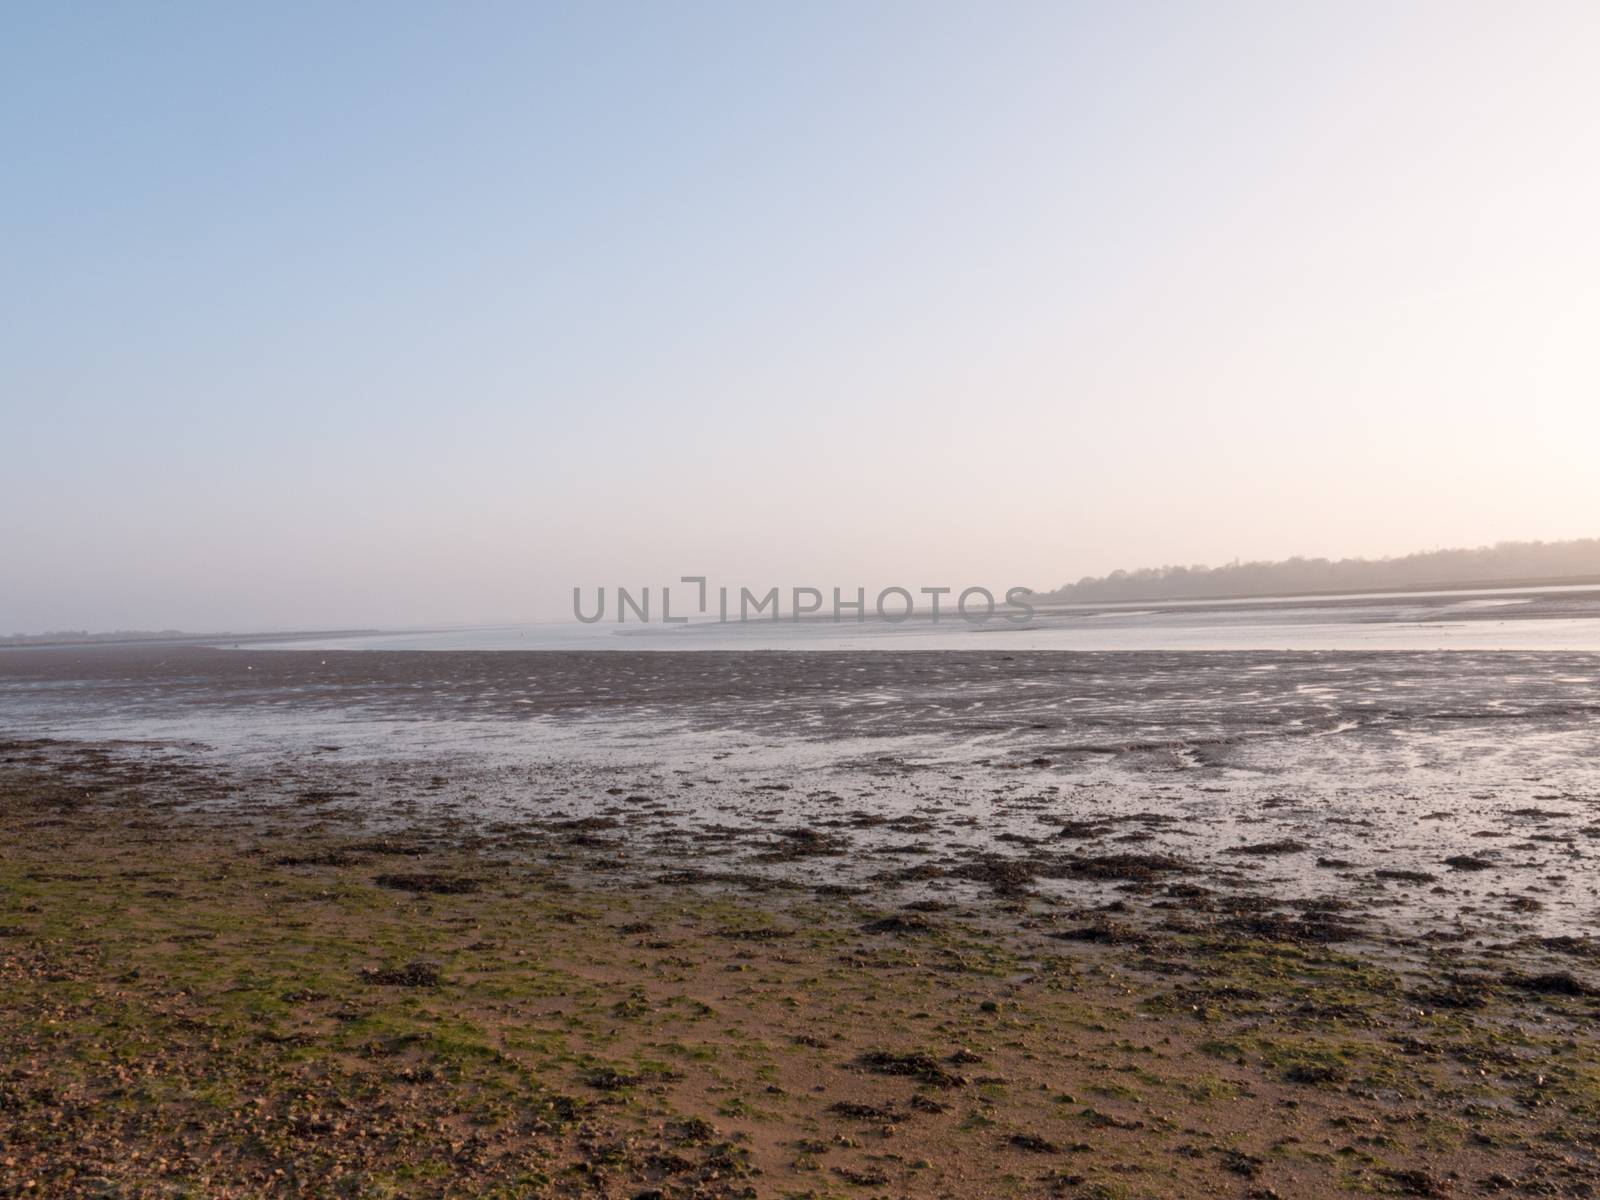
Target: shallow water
[1556,618]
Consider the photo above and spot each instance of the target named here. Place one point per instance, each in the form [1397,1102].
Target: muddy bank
[1428,799]
[243,982]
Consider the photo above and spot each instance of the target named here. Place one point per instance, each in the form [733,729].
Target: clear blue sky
[360,314]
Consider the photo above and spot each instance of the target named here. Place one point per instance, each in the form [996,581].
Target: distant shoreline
[1048,599]
[174,638]
[1043,601]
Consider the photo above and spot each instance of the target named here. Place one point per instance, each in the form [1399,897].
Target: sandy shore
[321,974]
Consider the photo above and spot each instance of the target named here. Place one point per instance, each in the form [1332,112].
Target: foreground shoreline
[255,997]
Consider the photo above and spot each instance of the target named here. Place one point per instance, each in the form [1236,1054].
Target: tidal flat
[797,925]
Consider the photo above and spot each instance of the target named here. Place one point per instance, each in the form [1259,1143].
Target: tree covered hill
[1506,562]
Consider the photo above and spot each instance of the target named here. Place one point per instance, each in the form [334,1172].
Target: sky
[322,316]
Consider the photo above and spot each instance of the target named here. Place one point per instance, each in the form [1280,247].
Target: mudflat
[797,924]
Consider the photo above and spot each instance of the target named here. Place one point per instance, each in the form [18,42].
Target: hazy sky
[317,315]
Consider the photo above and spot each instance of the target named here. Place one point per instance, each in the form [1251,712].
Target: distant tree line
[1506,562]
